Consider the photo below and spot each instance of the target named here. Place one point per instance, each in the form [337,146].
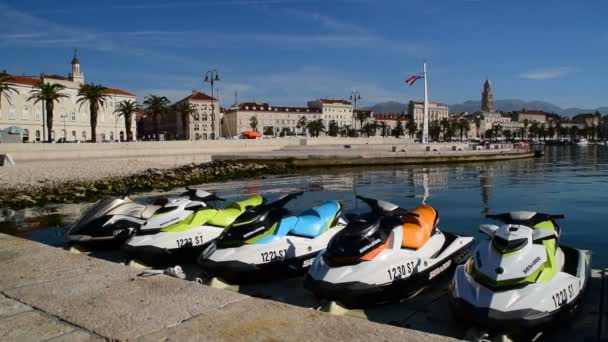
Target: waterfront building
[341,111]
[204,124]
[390,119]
[587,119]
[437,112]
[530,115]
[71,120]
[271,120]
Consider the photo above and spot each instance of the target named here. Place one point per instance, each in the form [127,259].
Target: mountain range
[506,105]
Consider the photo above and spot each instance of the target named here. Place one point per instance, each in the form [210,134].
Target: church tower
[487,98]
[76,75]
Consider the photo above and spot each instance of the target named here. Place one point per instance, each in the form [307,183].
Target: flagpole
[425,120]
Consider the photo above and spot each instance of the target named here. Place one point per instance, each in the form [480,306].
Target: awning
[251,134]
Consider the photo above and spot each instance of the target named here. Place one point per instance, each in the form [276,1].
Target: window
[73,135]
[111,136]
[196,127]
[26,112]
[84,135]
[73,118]
[37,135]
[11,112]
[204,117]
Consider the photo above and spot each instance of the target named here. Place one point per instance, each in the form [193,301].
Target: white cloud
[546,74]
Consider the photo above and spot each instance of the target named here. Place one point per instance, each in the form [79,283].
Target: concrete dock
[48,293]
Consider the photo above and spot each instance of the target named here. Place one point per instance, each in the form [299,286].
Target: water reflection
[568,179]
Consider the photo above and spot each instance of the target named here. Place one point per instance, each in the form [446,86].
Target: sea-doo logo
[529,267]
[253,232]
[436,271]
[171,220]
[370,245]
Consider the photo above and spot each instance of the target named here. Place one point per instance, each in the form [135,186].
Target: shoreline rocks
[148,180]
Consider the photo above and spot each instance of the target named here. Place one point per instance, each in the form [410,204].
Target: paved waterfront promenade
[42,163]
[50,294]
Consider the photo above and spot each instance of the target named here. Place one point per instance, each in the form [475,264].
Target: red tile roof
[116,91]
[389,116]
[197,95]
[265,107]
[33,80]
[30,80]
[328,101]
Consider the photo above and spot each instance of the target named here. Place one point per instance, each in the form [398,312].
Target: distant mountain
[388,107]
[507,105]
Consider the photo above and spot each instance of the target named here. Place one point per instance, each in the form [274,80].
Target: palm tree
[6,88]
[399,131]
[253,122]
[333,129]
[316,127]
[361,116]
[411,128]
[49,94]
[496,131]
[96,95]
[526,123]
[302,123]
[186,110]
[534,128]
[508,134]
[157,106]
[465,127]
[127,108]
[445,127]
[383,128]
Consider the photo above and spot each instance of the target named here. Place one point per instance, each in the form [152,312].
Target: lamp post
[354,96]
[211,77]
[65,133]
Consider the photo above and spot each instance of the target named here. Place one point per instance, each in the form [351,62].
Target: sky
[286,52]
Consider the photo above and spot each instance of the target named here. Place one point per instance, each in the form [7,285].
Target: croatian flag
[413,79]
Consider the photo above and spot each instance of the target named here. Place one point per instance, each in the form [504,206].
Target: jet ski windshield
[505,246]
[98,210]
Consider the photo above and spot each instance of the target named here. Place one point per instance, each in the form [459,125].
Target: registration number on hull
[273,255]
[401,271]
[189,242]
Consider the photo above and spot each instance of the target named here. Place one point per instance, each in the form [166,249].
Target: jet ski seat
[226,216]
[418,229]
[313,222]
[149,211]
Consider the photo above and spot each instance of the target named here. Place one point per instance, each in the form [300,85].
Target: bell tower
[76,75]
[487,98]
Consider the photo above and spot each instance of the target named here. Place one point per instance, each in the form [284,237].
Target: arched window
[197,136]
[74,135]
[204,136]
[122,136]
[37,135]
[111,136]
[84,135]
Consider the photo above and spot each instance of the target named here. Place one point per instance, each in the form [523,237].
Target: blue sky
[290,51]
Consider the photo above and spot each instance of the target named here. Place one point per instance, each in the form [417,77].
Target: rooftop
[334,101]
[389,116]
[265,107]
[33,80]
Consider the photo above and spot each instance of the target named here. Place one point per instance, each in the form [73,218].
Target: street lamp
[211,77]
[65,133]
[354,96]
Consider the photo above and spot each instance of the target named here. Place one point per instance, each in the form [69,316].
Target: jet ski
[267,242]
[185,239]
[520,278]
[112,220]
[388,254]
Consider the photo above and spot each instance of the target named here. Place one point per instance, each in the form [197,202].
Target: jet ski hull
[359,294]
[526,307]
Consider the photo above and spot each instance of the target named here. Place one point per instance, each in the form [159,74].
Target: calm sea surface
[570,180]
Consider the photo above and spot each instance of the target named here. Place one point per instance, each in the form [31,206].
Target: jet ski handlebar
[281,201]
[379,207]
[512,217]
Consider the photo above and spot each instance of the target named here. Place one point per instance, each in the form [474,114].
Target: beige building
[530,115]
[205,123]
[341,111]
[70,120]
[437,112]
[586,119]
[271,120]
[390,120]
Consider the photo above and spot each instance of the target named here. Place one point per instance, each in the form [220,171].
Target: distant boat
[583,142]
